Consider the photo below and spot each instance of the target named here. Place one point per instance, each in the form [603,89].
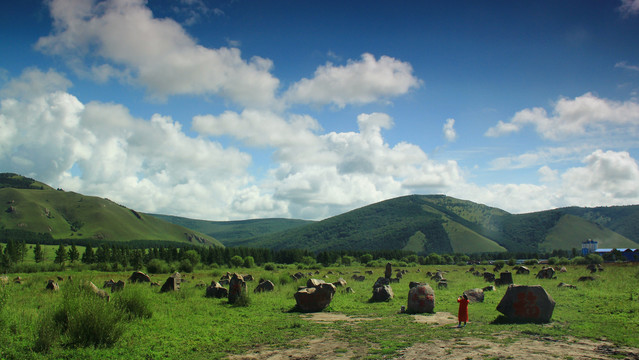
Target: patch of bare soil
[325,348]
[517,348]
[438,318]
[332,317]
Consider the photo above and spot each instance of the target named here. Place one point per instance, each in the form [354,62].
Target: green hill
[570,231]
[442,224]
[411,223]
[34,207]
[229,232]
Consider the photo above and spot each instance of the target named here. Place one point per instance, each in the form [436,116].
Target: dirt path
[517,348]
[503,346]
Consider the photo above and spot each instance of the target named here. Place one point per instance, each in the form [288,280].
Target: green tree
[60,255]
[38,254]
[89,256]
[11,251]
[249,262]
[193,256]
[366,258]
[237,261]
[73,254]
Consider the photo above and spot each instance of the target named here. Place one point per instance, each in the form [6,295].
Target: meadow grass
[187,325]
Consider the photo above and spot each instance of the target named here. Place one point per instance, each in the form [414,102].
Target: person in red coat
[462,315]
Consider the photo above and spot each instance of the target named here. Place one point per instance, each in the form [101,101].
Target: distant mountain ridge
[419,223]
[443,224]
[31,206]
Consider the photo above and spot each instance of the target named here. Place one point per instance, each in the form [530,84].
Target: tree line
[185,258]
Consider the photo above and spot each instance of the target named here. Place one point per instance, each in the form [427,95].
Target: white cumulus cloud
[123,38]
[583,115]
[357,82]
[449,130]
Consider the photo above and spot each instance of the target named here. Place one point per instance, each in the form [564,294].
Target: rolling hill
[419,223]
[442,224]
[231,231]
[36,207]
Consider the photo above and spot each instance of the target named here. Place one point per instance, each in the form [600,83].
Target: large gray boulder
[316,298]
[546,273]
[475,295]
[266,285]
[139,276]
[215,290]
[421,299]
[382,293]
[523,303]
[172,283]
[237,286]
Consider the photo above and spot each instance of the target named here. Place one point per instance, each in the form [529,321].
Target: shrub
[269,266]
[185,266]
[83,318]
[531,262]
[134,303]
[243,300]
[285,278]
[157,266]
[237,261]
[249,262]
[579,260]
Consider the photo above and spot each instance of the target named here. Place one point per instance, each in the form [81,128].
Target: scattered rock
[389,270]
[172,283]
[118,286]
[546,273]
[489,288]
[586,278]
[51,285]
[101,293]
[564,285]
[340,283]
[317,298]
[523,270]
[139,276]
[215,290]
[527,304]
[264,286]
[421,299]
[475,295]
[237,286]
[505,278]
[382,293]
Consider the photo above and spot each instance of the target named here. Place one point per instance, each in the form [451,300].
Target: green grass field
[186,325]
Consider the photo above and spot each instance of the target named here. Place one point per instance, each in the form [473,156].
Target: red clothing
[462,315]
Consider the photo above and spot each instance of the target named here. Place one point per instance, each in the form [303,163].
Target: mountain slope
[67,215]
[228,232]
[442,224]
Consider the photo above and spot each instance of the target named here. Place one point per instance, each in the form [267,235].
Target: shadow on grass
[504,320]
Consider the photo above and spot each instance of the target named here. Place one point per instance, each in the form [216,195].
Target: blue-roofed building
[588,247]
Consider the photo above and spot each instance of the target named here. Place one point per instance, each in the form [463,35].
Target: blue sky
[226,110]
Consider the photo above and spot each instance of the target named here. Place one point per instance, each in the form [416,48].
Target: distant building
[588,247]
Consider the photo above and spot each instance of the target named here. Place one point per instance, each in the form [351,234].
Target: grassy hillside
[570,231]
[623,220]
[229,232]
[68,215]
[442,224]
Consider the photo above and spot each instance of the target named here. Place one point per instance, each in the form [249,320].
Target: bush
[134,302]
[249,262]
[83,318]
[157,266]
[243,300]
[185,266]
[579,260]
[531,262]
[285,279]
[269,266]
